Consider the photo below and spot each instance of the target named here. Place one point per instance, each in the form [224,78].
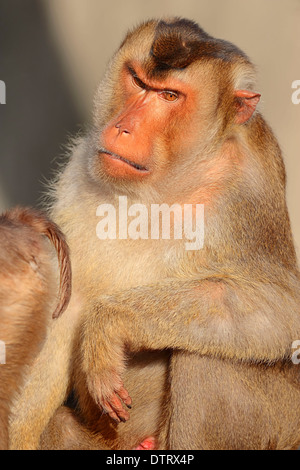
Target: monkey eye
[138,82]
[169,95]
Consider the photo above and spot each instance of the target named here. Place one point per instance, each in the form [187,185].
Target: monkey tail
[41,224]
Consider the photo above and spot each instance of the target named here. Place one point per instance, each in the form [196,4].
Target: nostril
[122,129]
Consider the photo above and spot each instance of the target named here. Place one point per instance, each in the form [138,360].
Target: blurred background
[53,54]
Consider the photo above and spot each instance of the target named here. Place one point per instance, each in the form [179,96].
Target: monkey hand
[108,391]
[104,362]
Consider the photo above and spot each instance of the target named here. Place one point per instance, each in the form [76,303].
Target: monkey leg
[231,405]
[65,432]
[229,319]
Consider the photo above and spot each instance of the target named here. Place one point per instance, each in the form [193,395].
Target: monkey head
[171,96]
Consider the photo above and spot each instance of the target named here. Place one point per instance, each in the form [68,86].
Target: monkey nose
[122,129]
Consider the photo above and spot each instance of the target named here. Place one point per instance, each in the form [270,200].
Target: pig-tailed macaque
[29,296]
[167,347]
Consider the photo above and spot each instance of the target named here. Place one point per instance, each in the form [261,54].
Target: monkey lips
[118,166]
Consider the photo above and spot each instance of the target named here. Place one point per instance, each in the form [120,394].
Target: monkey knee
[61,432]
[65,432]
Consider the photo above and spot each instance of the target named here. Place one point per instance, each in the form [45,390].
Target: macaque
[28,296]
[187,349]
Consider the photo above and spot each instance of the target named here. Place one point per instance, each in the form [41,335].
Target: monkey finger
[108,410]
[115,409]
[124,395]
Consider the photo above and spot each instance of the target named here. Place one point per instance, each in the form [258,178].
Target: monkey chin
[119,167]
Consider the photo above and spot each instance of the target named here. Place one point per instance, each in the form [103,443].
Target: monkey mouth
[114,156]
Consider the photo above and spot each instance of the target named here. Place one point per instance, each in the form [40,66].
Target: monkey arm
[227,318]
[244,319]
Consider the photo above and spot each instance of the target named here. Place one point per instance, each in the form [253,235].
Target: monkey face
[165,98]
[148,119]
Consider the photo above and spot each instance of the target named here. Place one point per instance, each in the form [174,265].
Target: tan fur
[202,339]
[28,293]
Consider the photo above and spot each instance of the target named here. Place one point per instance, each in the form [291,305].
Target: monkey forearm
[197,317]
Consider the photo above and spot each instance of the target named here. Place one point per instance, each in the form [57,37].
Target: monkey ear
[246,102]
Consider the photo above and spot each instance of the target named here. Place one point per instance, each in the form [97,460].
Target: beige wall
[86,32]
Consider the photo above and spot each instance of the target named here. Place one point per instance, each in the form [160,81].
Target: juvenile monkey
[197,342]
[28,293]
